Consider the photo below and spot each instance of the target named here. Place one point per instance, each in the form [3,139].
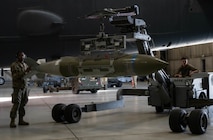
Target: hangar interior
[161,108]
[133,121]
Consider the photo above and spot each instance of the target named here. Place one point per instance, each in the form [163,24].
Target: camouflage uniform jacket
[18,72]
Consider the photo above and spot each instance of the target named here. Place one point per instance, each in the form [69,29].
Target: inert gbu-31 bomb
[100,66]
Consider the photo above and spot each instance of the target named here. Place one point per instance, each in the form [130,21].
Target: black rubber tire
[202,96]
[177,120]
[76,92]
[58,112]
[198,121]
[72,113]
[45,89]
[159,109]
[93,90]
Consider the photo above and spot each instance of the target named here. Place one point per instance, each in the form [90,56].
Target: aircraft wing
[171,24]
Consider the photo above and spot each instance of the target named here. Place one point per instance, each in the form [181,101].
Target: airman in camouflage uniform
[20,92]
[186,69]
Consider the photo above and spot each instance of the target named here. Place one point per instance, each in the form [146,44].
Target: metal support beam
[200,102]
[115,104]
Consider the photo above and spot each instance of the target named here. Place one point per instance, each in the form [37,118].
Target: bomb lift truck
[163,92]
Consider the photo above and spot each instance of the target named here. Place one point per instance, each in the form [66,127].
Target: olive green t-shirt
[185,70]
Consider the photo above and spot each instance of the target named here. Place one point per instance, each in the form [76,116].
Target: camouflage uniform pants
[74,85]
[19,100]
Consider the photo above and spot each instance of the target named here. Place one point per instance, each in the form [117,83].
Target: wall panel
[195,54]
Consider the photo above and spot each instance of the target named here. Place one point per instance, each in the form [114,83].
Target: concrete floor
[135,121]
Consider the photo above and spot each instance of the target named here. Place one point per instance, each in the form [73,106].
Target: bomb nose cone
[156,64]
[160,63]
[145,64]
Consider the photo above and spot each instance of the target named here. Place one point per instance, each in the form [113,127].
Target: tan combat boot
[22,122]
[12,123]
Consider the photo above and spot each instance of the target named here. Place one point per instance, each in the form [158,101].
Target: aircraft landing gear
[197,121]
[71,113]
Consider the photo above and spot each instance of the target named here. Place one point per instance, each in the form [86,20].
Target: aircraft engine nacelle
[38,22]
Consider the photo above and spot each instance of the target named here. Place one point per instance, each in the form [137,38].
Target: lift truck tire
[72,113]
[177,121]
[198,121]
[58,112]
[159,109]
